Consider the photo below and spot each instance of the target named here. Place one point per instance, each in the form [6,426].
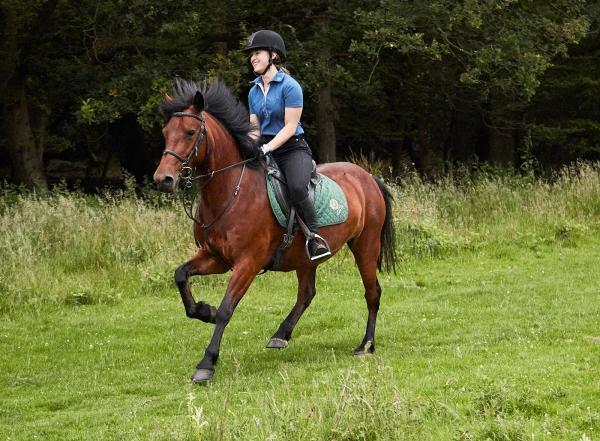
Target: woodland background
[427,86]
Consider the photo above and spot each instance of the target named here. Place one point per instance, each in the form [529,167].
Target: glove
[262,151]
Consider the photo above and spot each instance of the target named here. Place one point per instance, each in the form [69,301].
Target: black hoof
[202,375]
[365,348]
[277,343]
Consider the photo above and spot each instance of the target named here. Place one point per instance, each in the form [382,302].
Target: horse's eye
[191,132]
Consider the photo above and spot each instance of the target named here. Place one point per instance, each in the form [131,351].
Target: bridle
[187,171]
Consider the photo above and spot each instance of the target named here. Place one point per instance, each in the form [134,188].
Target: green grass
[489,331]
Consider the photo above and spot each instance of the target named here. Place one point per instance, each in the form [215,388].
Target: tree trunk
[8,46]
[325,125]
[423,153]
[402,163]
[326,111]
[26,153]
[502,145]
[501,134]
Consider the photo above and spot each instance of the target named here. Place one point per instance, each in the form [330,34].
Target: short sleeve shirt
[284,91]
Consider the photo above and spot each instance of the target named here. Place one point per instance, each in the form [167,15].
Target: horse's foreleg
[202,263]
[306,292]
[239,283]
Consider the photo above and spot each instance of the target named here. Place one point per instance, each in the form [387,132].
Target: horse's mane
[220,103]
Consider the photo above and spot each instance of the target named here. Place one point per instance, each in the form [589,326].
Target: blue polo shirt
[284,91]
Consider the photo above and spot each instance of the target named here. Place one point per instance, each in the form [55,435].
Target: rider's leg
[296,165]
[316,248]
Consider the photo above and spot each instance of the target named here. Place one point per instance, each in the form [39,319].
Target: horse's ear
[199,102]
[168,97]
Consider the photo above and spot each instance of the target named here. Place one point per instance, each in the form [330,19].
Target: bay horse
[207,139]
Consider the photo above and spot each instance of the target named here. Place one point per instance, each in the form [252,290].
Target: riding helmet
[269,40]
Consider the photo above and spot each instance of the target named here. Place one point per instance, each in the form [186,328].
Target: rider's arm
[255,131]
[291,120]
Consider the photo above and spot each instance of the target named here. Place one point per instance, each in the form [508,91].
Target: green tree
[566,107]
[470,58]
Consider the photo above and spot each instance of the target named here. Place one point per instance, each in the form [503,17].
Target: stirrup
[323,241]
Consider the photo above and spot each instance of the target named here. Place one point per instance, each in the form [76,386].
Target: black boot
[317,247]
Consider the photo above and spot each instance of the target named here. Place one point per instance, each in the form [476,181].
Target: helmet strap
[268,65]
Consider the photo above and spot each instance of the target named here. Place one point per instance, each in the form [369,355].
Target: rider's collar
[278,77]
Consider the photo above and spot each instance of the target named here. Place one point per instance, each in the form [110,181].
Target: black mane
[220,103]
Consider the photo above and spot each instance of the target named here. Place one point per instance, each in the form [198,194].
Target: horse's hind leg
[306,292]
[366,250]
[202,263]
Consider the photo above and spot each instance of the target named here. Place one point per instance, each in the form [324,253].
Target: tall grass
[70,248]
[496,211]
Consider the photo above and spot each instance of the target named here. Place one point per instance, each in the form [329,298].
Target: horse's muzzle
[166,183]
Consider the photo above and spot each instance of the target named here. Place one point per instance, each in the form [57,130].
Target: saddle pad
[330,203]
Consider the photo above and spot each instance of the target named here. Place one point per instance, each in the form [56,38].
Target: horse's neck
[223,152]
[222,148]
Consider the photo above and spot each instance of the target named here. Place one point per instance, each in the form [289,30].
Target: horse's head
[185,138]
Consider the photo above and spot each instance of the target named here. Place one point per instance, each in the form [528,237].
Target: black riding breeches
[294,158]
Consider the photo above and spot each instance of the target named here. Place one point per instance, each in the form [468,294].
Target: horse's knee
[181,275]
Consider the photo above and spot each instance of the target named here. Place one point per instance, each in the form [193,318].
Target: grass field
[489,330]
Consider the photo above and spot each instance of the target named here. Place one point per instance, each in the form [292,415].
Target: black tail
[387,256]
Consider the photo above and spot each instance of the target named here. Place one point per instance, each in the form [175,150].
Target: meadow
[488,330]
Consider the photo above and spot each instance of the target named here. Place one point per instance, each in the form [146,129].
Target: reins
[187,172]
[236,191]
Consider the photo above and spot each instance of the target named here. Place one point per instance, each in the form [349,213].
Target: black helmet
[269,40]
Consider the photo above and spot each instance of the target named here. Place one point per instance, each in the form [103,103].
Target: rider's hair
[278,63]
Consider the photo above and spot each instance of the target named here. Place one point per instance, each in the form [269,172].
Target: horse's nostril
[167,184]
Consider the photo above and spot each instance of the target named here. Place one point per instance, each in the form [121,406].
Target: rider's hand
[262,151]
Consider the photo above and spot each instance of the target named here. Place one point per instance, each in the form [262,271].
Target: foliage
[568,115]
[423,79]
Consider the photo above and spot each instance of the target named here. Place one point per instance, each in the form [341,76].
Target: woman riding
[275,103]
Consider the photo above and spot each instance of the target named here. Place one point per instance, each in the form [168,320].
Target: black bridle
[187,172]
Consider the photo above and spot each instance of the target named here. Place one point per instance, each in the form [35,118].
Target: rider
[275,103]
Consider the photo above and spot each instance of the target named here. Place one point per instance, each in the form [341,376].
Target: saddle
[330,203]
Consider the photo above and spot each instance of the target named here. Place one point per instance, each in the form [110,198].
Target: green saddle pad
[330,203]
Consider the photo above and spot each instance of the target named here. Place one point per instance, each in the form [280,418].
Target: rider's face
[259,60]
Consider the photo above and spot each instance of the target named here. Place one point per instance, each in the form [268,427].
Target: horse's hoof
[202,376]
[365,349]
[277,343]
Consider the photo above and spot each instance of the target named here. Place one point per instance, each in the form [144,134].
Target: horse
[207,140]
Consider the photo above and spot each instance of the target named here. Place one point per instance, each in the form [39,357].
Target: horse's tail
[387,256]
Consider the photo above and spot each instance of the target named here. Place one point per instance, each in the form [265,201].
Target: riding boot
[316,245]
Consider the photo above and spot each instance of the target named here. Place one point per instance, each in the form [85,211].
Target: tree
[566,107]
[24,111]
[479,57]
